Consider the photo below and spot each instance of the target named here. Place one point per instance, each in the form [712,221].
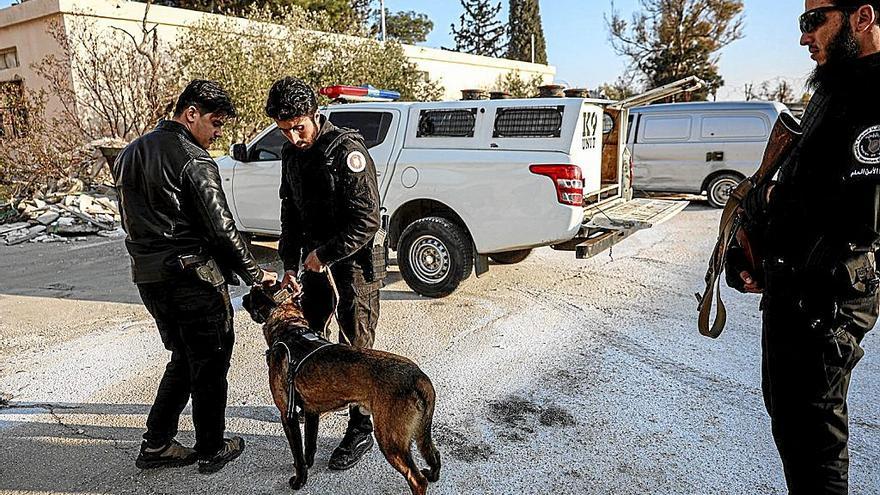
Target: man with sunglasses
[818,225]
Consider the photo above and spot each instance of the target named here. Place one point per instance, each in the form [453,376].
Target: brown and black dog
[399,395]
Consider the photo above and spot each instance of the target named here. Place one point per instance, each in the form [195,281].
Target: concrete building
[25,39]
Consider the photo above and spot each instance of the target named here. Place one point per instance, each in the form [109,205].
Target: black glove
[754,205]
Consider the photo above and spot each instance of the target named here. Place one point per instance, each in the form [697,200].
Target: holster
[204,268]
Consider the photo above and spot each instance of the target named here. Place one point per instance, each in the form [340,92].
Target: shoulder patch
[867,146]
[356,161]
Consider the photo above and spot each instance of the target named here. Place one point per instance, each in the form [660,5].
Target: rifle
[783,138]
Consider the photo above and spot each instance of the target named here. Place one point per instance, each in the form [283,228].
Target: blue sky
[577,40]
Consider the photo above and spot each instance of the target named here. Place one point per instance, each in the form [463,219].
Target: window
[657,128]
[447,123]
[373,126]
[268,148]
[8,58]
[534,122]
[734,127]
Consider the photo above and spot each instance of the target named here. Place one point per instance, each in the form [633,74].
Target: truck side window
[373,126]
[447,123]
[538,122]
[269,147]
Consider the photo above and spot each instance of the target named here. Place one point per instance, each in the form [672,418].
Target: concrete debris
[61,217]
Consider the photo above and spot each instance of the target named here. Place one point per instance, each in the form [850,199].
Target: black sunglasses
[812,20]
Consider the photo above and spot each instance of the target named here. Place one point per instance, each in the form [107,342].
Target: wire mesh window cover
[447,123]
[537,122]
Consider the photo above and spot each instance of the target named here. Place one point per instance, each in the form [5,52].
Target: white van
[699,147]
[466,181]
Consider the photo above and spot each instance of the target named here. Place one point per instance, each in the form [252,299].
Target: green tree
[523,24]
[671,39]
[406,27]
[253,58]
[518,86]
[479,32]
[620,89]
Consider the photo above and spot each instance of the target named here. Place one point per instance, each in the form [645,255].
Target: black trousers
[806,376]
[194,320]
[357,314]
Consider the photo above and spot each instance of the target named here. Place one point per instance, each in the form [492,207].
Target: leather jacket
[172,204]
[329,201]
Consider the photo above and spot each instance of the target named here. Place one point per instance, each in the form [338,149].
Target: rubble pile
[59,217]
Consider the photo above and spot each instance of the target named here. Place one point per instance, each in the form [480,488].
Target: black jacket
[172,204]
[329,200]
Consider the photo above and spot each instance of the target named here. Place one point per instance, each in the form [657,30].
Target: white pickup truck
[466,181]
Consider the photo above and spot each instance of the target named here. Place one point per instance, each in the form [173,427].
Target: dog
[398,393]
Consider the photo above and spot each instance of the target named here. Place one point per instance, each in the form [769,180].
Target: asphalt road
[553,376]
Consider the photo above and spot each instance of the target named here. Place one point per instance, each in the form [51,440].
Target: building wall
[24,26]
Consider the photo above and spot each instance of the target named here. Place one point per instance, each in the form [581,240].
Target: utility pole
[533,47]
[382,7]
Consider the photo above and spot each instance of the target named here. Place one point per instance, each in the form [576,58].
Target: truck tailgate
[637,214]
[608,226]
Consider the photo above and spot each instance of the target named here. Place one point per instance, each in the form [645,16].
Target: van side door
[663,154]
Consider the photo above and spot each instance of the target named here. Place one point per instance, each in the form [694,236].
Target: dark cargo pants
[357,313]
[806,375]
[195,323]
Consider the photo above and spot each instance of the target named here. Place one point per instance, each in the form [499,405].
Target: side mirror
[239,152]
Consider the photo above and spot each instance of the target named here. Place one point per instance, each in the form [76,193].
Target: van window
[373,126]
[733,127]
[269,147]
[537,122]
[447,123]
[659,128]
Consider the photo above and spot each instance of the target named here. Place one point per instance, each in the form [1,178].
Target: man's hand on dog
[289,281]
[269,278]
[312,263]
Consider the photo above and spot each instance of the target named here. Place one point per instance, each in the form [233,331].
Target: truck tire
[720,187]
[510,257]
[434,255]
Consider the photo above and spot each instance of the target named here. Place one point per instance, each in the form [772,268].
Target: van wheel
[434,255]
[510,257]
[720,187]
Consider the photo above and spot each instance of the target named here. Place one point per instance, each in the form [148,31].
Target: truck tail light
[568,180]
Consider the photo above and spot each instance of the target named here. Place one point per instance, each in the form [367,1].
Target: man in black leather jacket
[184,250]
[818,226]
[329,221]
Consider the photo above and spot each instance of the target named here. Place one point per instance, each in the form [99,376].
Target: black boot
[358,440]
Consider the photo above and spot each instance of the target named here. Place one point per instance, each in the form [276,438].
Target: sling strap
[784,136]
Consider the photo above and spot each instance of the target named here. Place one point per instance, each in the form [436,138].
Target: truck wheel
[510,257]
[720,187]
[434,255]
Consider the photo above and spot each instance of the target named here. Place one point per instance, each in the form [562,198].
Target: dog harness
[315,342]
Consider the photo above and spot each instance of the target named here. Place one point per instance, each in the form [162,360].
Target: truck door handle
[715,156]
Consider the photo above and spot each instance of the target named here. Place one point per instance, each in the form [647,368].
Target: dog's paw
[298,481]
[431,475]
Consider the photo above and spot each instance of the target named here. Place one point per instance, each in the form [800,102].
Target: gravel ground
[553,376]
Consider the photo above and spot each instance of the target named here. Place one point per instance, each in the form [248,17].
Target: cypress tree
[525,21]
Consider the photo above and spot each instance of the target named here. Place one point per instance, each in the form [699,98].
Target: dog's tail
[423,436]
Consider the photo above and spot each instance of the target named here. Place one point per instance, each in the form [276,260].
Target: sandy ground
[553,376]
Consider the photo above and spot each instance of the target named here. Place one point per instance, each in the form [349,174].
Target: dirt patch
[461,446]
[556,416]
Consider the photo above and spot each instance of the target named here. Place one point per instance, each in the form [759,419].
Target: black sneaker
[353,446]
[232,448]
[171,455]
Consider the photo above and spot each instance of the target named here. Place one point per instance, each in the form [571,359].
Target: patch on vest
[356,161]
[867,146]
